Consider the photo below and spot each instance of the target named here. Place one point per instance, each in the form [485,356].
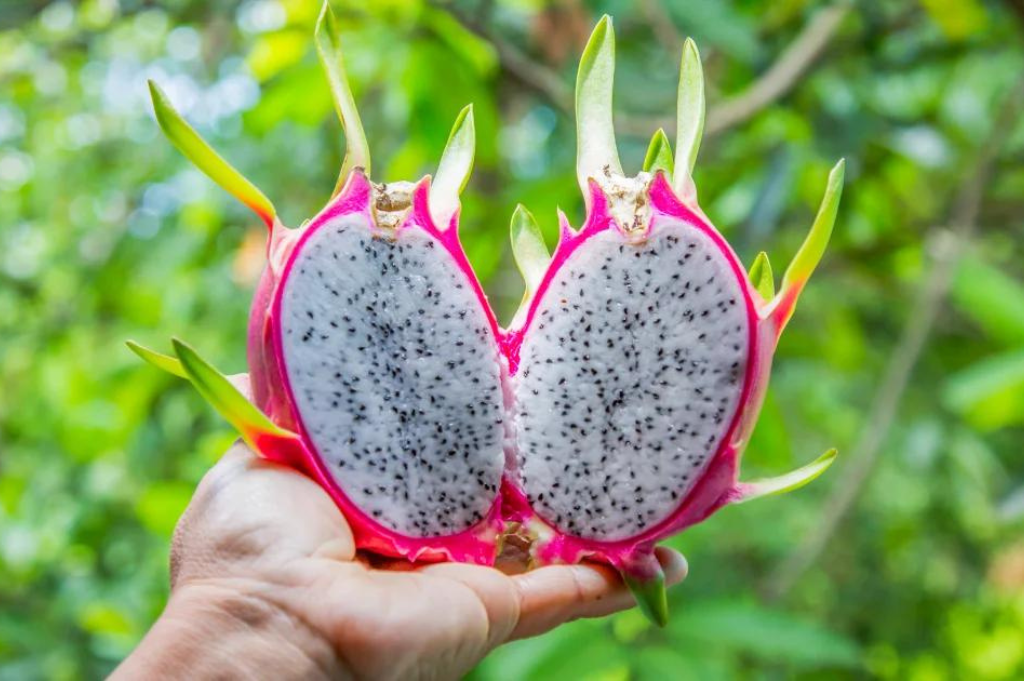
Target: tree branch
[945,246]
[1017,7]
[783,75]
[776,82]
[661,25]
[530,73]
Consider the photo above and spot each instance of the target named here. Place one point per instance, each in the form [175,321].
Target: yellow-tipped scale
[216,389]
[810,252]
[161,361]
[755,489]
[196,149]
[225,397]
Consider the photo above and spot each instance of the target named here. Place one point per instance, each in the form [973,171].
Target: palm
[275,530]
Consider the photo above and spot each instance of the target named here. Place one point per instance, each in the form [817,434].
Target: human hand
[266,581]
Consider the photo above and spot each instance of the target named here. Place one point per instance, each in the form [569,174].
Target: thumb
[553,595]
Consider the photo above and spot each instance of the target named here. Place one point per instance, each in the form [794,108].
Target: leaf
[651,596]
[992,299]
[765,634]
[989,393]
[813,248]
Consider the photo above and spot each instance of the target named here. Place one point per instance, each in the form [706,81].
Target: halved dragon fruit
[373,355]
[641,356]
[609,415]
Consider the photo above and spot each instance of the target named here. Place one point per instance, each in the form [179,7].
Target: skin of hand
[266,583]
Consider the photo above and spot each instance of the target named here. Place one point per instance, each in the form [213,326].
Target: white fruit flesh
[396,375]
[630,375]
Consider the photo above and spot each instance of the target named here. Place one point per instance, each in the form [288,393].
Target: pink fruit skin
[272,390]
[718,484]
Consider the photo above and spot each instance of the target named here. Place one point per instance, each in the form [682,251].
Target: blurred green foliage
[106,233]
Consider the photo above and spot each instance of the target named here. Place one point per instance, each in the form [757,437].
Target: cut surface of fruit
[395,373]
[630,374]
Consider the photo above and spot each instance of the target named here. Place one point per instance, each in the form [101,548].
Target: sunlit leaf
[958,19]
[161,361]
[473,49]
[787,482]
[989,393]
[274,52]
[760,276]
[454,169]
[990,298]
[765,634]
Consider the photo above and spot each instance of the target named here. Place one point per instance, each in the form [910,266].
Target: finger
[673,563]
[495,591]
[553,595]
[550,596]
[341,548]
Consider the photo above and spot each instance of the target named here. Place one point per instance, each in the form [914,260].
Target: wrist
[218,631]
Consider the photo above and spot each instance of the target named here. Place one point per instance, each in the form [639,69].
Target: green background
[107,233]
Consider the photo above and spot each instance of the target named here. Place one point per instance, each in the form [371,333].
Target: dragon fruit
[610,414]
